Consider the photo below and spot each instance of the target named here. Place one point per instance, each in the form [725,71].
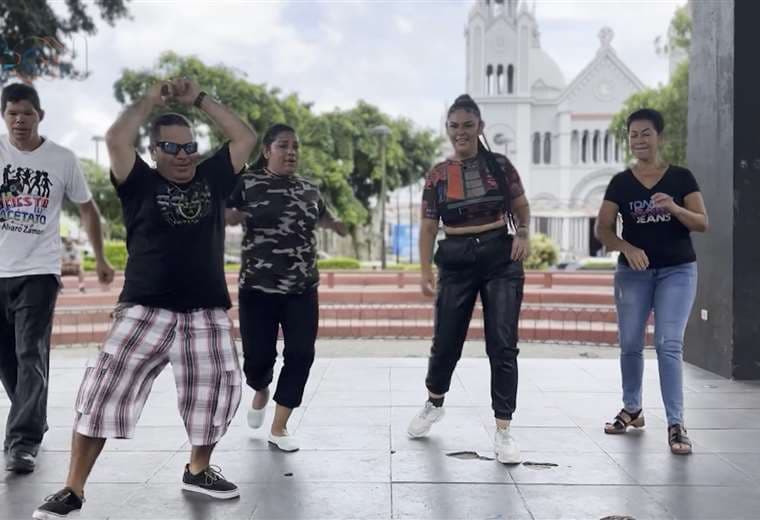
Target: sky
[405,56]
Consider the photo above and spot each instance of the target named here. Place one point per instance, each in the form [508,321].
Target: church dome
[544,70]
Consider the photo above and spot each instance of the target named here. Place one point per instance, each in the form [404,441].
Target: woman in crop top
[660,205]
[278,276]
[478,195]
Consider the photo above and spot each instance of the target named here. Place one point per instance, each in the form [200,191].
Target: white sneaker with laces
[505,447]
[425,419]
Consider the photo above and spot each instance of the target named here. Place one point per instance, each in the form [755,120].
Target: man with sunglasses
[173,306]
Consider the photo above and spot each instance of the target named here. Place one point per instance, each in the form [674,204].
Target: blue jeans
[670,293]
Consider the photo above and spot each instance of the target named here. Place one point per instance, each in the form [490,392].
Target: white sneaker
[284,442]
[256,417]
[506,448]
[424,420]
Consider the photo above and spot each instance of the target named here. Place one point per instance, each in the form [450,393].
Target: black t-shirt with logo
[175,236]
[664,239]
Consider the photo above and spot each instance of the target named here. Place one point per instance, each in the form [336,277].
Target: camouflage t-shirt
[279,252]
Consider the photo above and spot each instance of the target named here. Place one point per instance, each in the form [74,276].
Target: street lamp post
[382,132]
[97,139]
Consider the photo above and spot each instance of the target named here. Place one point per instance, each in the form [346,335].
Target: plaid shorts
[141,342]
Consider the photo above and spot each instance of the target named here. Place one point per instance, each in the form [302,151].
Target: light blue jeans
[670,293]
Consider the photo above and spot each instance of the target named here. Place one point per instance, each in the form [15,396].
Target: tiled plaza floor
[357,462]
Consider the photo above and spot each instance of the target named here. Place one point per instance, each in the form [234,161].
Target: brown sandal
[623,420]
[677,439]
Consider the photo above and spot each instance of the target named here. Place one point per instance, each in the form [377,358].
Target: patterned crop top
[465,193]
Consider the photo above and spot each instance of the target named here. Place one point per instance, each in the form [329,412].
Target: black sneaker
[209,482]
[59,505]
[20,462]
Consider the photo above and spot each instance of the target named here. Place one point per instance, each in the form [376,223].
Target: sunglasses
[174,148]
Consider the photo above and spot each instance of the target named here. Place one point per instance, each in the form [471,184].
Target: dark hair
[647,114]
[19,92]
[269,137]
[168,119]
[466,103]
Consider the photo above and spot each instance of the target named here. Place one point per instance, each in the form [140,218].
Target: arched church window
[584,147]
[575,144]
[510,79]
[617,150]
[489,80]
[595,146]
[536,148]
[500,83]
[547,148]
[607,146]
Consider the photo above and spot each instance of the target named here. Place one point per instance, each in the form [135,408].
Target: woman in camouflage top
[279,211]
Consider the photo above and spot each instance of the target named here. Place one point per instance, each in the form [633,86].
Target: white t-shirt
[32,187]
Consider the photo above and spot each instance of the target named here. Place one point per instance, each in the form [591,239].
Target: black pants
[261,315]
[26,321]
[469,266]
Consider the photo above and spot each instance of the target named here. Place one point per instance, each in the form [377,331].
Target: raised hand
[185,90]
[160,93]
[663,200]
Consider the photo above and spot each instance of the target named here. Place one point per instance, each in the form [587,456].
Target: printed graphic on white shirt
[24,199]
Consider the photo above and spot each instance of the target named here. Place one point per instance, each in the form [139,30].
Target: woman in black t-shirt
[279,211]
[660,206]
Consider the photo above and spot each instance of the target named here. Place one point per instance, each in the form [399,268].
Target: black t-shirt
[279,251]
[175,236]
[664,239]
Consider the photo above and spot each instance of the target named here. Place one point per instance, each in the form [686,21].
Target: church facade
[555,132]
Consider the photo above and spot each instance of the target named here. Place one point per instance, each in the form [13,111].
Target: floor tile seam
[749,475]
[523,498]
[450,483]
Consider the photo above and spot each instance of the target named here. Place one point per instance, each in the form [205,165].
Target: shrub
[116,254]
[598,264]
[339,262]
[543,252]
[403,267]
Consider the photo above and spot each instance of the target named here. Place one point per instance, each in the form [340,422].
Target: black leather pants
[468,266]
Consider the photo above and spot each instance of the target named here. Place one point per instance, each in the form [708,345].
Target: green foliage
[34,37]
[598,264]
[671,99]
[116,254]
[104,195]
[414,268]
[338,262]
[543,252]
[679,33]
[337,148]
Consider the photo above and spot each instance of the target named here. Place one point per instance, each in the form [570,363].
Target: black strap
[500,175]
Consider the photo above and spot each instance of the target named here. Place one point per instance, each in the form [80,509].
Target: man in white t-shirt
[35,175]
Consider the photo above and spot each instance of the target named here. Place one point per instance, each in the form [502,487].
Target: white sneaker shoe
[284,442]
[424,420]
[256,417]
[506,448]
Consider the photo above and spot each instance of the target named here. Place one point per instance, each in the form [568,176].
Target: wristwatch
[199,99]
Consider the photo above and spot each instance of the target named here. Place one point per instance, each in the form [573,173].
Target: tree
[32,43]
[671,99]
[338,149]
[104,195]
